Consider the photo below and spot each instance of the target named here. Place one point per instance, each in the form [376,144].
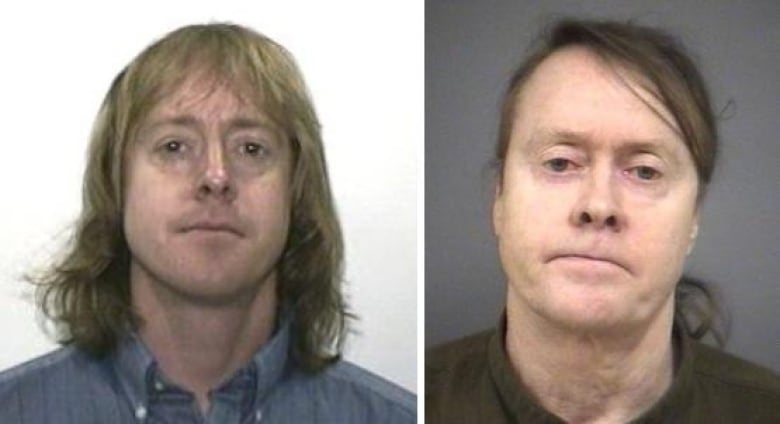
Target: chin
[581,317]
[593,323]
[208,291]
[588,309]
[207,282]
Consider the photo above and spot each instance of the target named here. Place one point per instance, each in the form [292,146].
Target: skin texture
[207,207]
[594,215]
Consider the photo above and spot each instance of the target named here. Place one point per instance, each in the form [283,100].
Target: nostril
[611,221]
[585,218]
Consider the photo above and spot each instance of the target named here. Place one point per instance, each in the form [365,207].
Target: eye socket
[646,173]
[558,164]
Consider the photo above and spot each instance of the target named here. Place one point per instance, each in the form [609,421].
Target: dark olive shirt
[472,381]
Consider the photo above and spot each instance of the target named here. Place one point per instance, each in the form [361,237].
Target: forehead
[206,99]
[575,90]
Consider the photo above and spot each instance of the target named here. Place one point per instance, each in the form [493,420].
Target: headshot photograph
[215,214]
[601,212]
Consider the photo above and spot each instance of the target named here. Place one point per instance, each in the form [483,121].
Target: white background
[363,62]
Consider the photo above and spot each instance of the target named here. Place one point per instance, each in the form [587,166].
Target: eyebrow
[545,136]
[247,124]
[549,136]
[190,121]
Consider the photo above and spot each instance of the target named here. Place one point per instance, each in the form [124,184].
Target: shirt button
[140,412]
[258,415]
[159,386]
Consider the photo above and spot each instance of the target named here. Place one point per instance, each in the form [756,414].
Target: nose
[598,205]
[215,179]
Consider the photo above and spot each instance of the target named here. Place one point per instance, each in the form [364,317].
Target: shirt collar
[270,362]
[135,366]
[132,362]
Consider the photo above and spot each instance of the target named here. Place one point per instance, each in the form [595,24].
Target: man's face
[597,208]
[207,194]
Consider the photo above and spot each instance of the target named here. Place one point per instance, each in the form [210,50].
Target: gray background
[471,48]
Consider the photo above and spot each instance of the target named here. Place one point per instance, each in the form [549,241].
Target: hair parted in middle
[86,293]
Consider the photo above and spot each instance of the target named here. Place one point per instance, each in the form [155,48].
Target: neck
[200,345]
[587,376]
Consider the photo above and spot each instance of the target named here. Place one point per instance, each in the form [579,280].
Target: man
[606,145]
[203,282]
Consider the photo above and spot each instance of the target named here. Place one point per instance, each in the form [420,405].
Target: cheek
[275,208]
[530,217]
[147,202]
[270,203]
[662,242]
[538,207]
[670,238]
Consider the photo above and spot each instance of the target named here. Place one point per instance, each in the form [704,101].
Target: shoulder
[461,360]
[51,366]
[347,374]
[723,369]
[352,377]
[458,383]
[52,382]
[466,349]
[345,392]
[726,380]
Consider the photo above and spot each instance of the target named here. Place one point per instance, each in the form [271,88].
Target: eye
[558,164]
[253,149]
[646,173]
[172,146]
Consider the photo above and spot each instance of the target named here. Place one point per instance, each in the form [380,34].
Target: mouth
[211,228]
[586,259]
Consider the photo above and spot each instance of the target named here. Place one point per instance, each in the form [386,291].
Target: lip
[213,227]
[595,258]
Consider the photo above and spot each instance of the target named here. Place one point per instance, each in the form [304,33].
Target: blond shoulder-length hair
[86,293]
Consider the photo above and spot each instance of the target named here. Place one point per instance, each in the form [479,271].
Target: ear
[694,234]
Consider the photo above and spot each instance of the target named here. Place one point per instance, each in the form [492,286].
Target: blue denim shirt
[68,386]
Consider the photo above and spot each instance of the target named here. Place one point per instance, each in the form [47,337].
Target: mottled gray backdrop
[470,50]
